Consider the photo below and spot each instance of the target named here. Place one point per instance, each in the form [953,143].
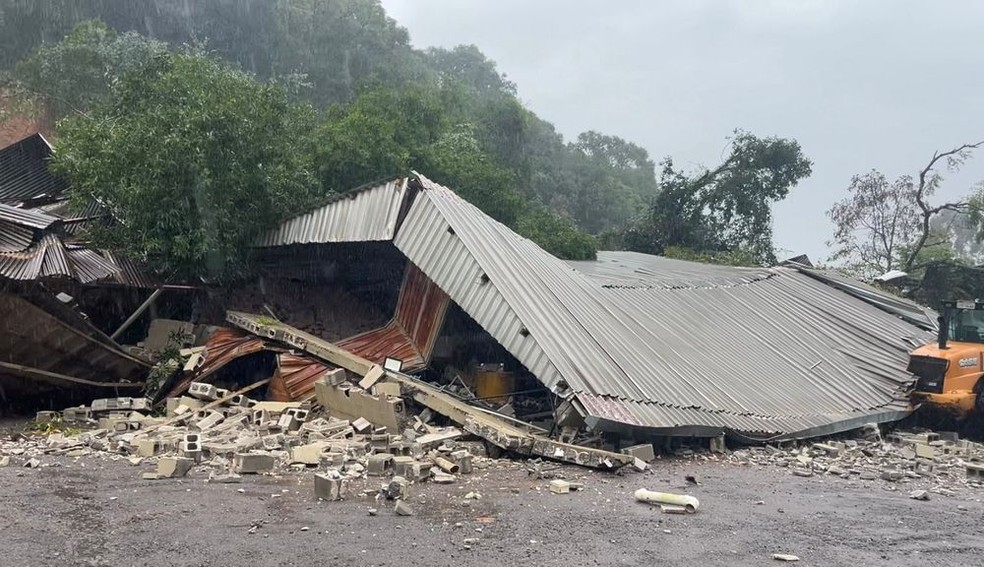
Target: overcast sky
[861,85]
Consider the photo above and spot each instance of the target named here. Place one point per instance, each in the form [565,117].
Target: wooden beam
[48,376]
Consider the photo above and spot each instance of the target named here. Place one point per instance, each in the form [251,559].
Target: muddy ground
[97,512]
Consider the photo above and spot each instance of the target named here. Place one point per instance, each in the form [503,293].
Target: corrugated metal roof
[901,307]
[367,214]
[24,172]
[33,337]
[32,218]
[667,344]
[49,258]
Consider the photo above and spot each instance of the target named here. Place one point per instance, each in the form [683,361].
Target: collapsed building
[408,279]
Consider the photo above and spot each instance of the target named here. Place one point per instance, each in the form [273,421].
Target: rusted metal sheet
[224,346]
[420,310]
[295,378]
[411,335]
[32,337]
[389,341]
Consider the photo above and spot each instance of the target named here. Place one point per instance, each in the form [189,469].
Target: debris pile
[941,459]
[226,435]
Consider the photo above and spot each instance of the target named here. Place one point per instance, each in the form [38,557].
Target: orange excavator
[949,371]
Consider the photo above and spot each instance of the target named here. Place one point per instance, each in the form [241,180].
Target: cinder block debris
[173,467]
[329,487]
[253,463]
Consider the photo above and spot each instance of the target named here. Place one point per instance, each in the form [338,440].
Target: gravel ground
[97,512]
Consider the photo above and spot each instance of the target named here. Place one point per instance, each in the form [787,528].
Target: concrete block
[387,389]
[147,447]
[558,486]
[403,509]
[329,488]
[173,467]
[828,449]
[207,419]
[335,377]
[643,452]
[346,402]
[399,487]
[361,425]
[309,454]
[203,391]
[374,375]
[76,414]
[379,464]
[253,463]
[925,451]
[46,416]
[288,422]
[975,472]
[463,459]
[420,471]
[402,466]
[718,445]
[334,459]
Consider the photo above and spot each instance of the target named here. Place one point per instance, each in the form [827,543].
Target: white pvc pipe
[650,497]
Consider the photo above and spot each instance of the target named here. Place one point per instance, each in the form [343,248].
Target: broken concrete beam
[644,452]
[253,463]
[434,439]
[330,488]
[116,404]
[173,467]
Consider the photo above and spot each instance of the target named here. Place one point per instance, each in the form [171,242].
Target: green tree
[725,209]
[192,160]
[72,75]
[881,226]
[557,235]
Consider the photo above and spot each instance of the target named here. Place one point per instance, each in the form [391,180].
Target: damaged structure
[631,344]
[401,292]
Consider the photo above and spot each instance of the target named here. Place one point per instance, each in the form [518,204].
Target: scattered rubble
[940,463]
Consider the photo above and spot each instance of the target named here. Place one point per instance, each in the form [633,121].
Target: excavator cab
[949,372]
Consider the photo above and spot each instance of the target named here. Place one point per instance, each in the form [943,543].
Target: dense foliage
[725,211]
[384,108]
[191,159]
[887,225]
